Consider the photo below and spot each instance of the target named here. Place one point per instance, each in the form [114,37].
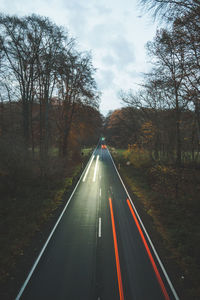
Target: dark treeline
[154,131]
[49,99]
[164,116]
[49,122]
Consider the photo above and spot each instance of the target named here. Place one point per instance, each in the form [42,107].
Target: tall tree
[76,85]
[169,61]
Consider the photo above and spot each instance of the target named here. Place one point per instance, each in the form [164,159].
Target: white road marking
[95,170]
[100,192]
[99,227]
[88,168]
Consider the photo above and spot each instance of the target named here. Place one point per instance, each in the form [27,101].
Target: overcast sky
[115,31]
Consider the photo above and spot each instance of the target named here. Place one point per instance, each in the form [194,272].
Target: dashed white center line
[99,227]
[95,170]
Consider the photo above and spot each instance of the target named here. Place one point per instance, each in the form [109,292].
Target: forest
[156,137]
[164,115]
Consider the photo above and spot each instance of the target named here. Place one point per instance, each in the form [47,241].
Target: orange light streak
[149,253]
[121,294]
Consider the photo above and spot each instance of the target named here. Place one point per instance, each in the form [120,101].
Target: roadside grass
[25,209]
[171,198]
[86,151]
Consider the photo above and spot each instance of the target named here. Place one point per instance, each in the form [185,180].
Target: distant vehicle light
[103,147]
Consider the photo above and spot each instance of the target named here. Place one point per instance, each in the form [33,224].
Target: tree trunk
[65,140]
[197,112]
[178,133]
[68,122]
[46,125]
[32,132]
[25,114]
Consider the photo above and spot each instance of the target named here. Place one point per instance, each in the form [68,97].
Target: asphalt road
[98,249]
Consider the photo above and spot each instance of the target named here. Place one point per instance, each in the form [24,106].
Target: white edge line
[99,227]
[147,235]
[95,170]
[52,232]
[88,169]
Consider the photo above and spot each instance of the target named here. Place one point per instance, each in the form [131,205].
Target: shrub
[139,157]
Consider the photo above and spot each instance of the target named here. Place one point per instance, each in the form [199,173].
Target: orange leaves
[115,118]
[148,132]
[139,157]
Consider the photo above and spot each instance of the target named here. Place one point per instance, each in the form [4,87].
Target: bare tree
[76,85]
[169,61]
[39,59]
[186,31]
[19,60]
[170,9]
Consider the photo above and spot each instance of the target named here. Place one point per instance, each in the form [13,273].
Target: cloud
[112,48]
[101,34]
[102,10]
[134,74]
[77,16]
[110,102]
[105,79]
[123,50]
[108,60]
